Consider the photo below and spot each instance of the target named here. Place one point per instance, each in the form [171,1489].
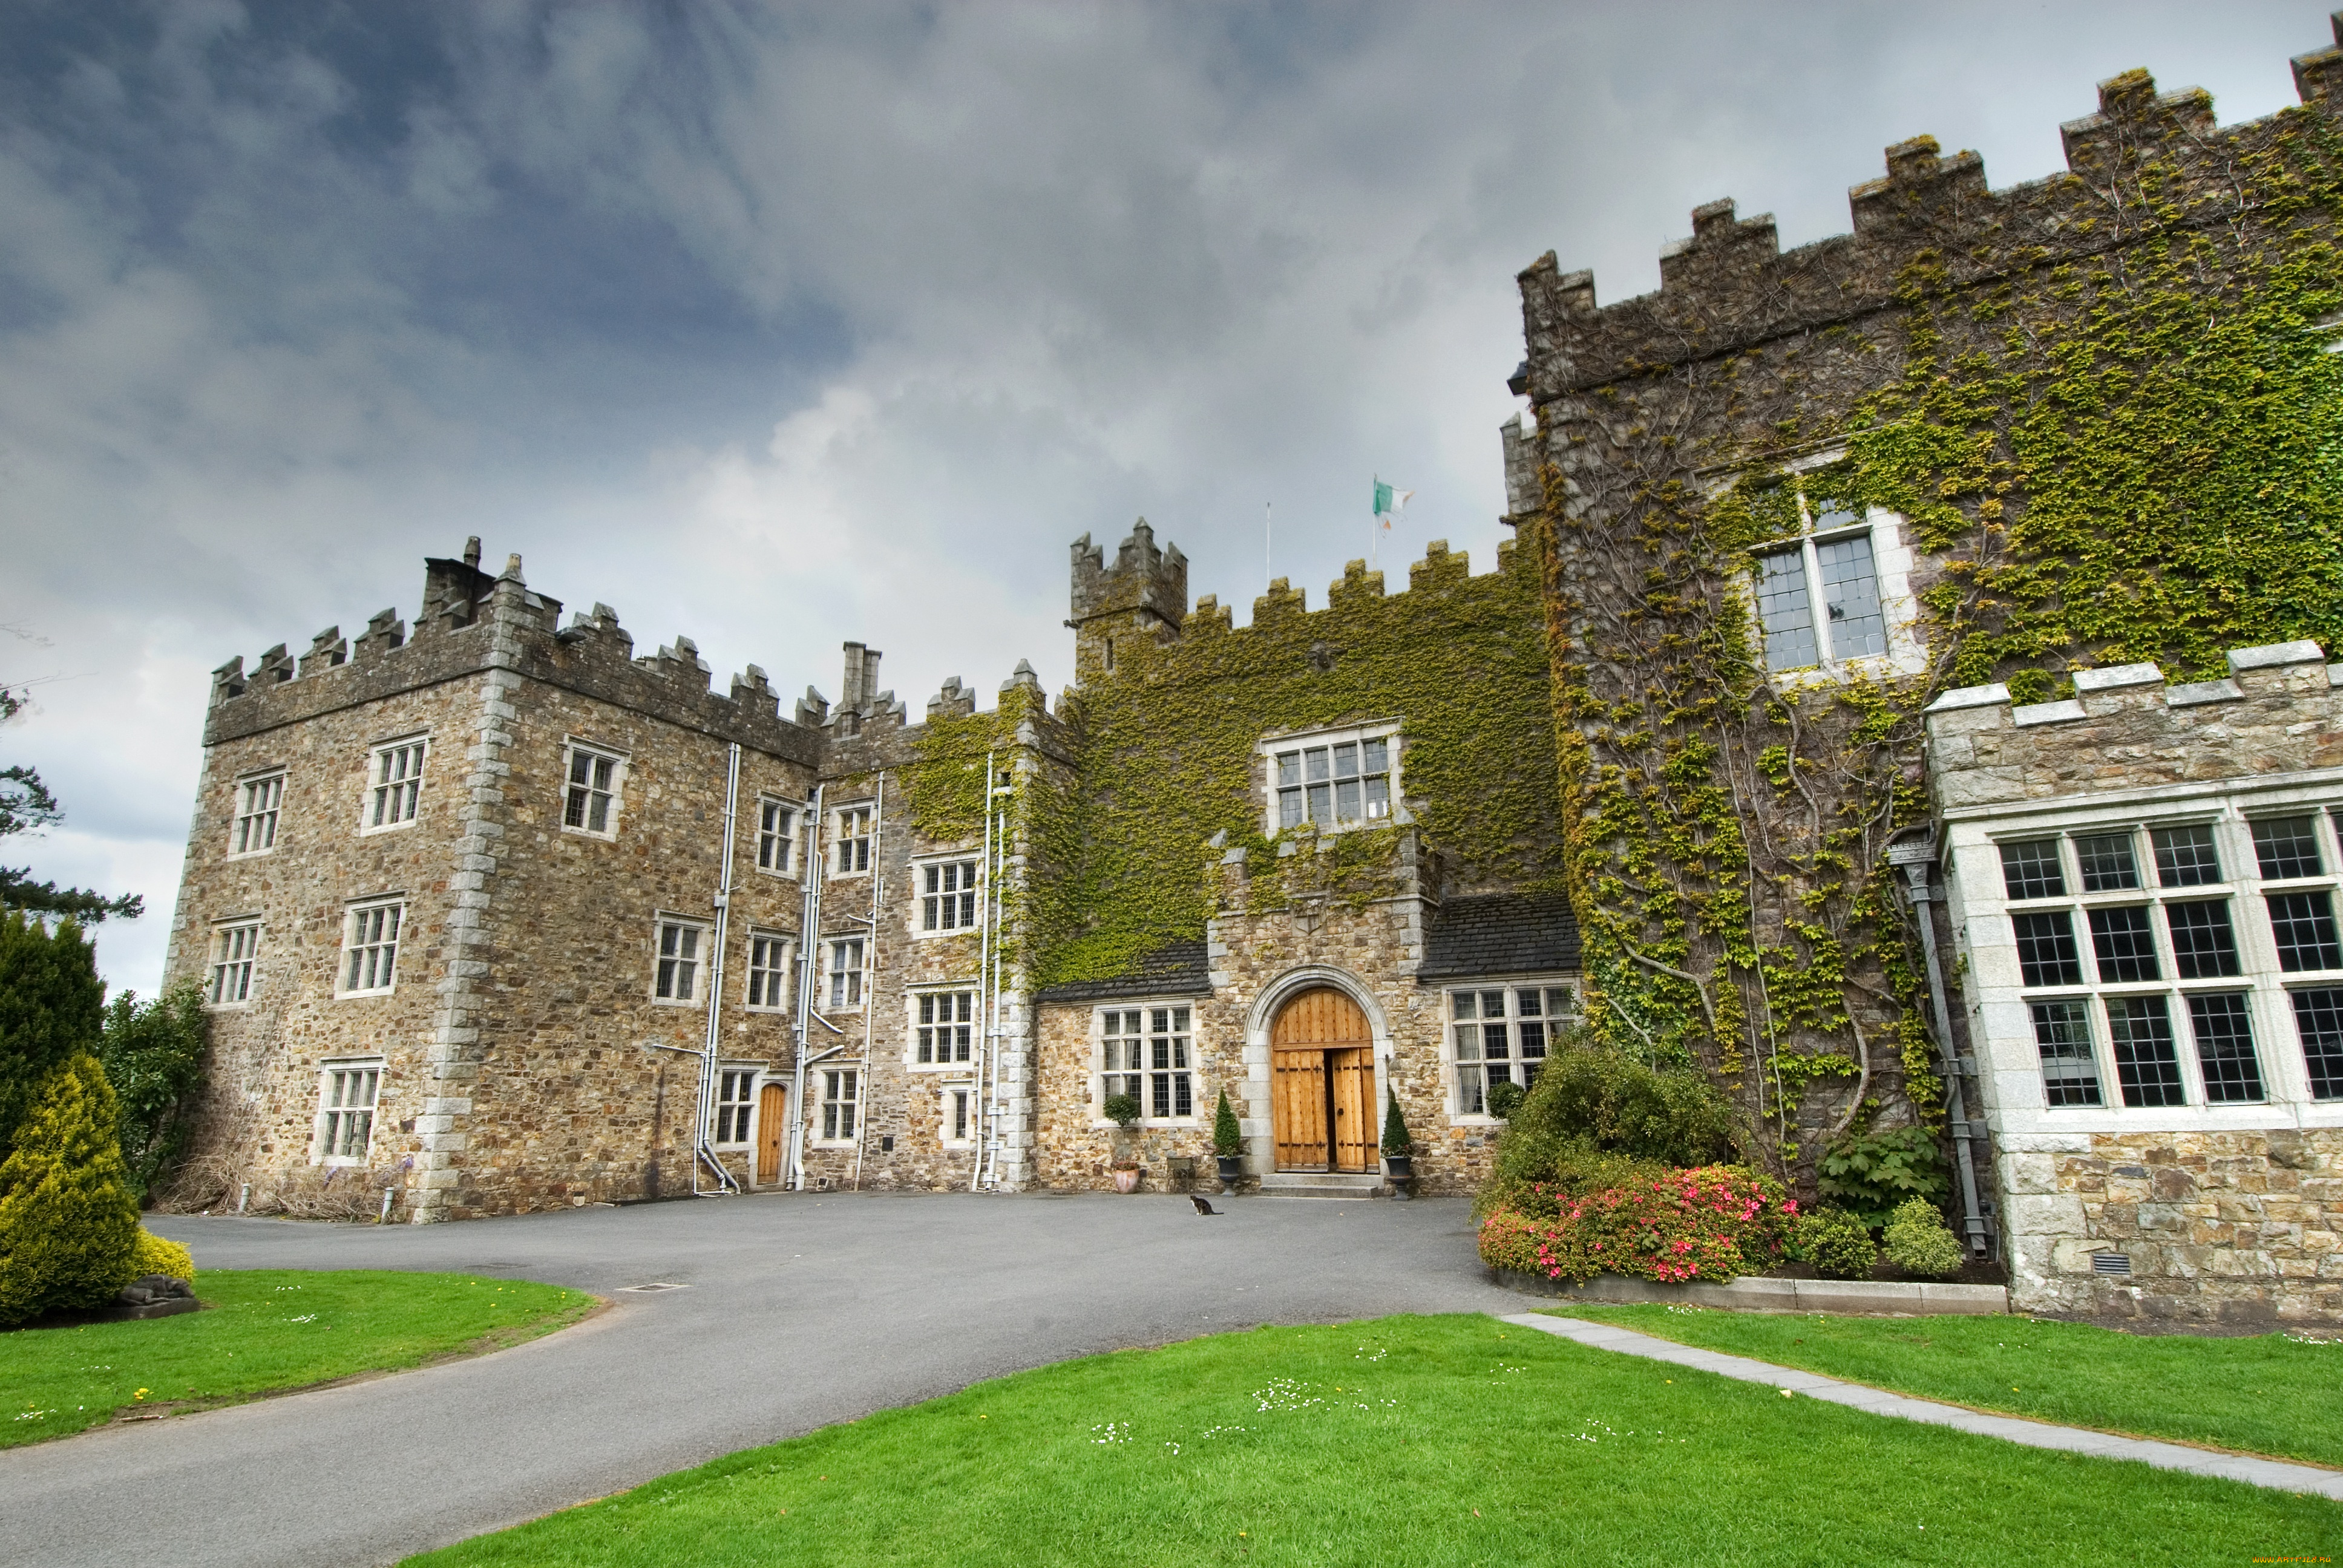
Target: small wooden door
[1323,1089]
[773,1128]
[1353,1086]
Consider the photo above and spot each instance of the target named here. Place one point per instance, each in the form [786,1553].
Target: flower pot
[1399,1167]
[1127,1180]
[1231,1171]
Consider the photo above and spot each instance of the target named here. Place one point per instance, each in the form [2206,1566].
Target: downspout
[816,861]
[871,975]
[988,1017]
[993,901]
[1915,860]
[704,1152]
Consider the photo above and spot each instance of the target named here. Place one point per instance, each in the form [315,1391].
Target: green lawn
[2268,1395]
[266,1331]
[1407,1440]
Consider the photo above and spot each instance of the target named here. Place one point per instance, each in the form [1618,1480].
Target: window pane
[1533,1040]
[2124,943]
[2185,857]
[1378,799]
[2139,1029]
[1494,1042]
[2225,1047]
[1346,801]
[1314,763]
[1462,1003]
[1851,598]
[2304,926]
[1346,760]
[2107,863]
[1492,1004]
[1468,1042]
[1289,808]
[1289,768]
[1321,801]
[2046,954]
[2062,1032]
[1469,1100]
[2319,1018]
[1373,756]
[2288,847]
[1785,612]
[2203,945]
[2030,871]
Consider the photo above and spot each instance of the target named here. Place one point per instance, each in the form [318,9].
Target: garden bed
[1771,1294]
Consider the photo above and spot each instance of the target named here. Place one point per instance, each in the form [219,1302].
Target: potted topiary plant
[1398,1157]
[1122,1110]
[1228,1144]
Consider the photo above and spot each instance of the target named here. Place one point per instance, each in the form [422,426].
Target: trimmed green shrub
[51,1005]
[1504,1099]
[1396,1143]
[68,1224]
[1535,1171]
[1869,1173]
[1835,1242]
[1614,1103]
[153,1254]
[153,1052]
[1920,1242]
[1228,1138]
[1122,1110]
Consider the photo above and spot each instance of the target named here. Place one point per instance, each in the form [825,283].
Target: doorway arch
[1322,1048]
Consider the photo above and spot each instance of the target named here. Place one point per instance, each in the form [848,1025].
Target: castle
[506,917]
[1906,696]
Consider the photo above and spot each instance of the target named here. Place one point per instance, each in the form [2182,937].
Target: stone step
[1320,1184]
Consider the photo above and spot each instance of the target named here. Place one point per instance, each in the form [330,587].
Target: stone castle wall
[2243,1228]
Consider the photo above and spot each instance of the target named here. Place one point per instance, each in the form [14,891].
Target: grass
[2269,1394]
[268,1330]
[1448,1439]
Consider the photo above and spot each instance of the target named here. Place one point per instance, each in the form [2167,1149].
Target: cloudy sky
[782,325]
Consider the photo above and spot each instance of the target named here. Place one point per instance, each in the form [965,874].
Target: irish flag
[1389,501]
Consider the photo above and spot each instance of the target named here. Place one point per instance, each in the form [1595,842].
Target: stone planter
[1126,1178]
[1232,1170]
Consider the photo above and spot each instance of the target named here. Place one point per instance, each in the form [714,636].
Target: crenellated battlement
[1730,287]
[2279,709]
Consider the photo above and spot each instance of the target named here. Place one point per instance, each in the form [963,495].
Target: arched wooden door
[1323,1089]
[773,1118]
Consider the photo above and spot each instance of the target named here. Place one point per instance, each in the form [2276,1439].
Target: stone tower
[1144,595]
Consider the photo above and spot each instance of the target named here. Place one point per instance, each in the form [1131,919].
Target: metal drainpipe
[703,1152]
[1915,861]
[871,976]
[812,866]
[989,1018]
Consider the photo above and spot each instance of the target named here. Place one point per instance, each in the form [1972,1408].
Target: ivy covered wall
[1144,763]
[2104,407]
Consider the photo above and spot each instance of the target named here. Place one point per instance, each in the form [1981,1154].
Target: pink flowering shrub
[1715,1222]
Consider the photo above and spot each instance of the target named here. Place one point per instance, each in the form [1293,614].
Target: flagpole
[1268,571]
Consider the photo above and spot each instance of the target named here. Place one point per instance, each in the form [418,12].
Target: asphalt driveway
[800,1310]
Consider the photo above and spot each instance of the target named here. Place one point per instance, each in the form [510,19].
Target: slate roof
[1176,968]
[1500,933]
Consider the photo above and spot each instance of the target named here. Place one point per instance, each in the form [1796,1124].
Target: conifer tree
[51,1005]
[68,1224]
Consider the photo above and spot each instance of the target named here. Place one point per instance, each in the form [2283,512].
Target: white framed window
[842,965]
[1332,780]
[594,778]
[394,785]
[841,1091]
[1499,1031]
[946,894]
[736,1104]
[346,1090]
[769,971]
[956,1117]
[258,802]
[370,933]
[236,947]
[944,1028]
[776,829]
[2135,940]
[850,841]
[681,952]
[1145,1052]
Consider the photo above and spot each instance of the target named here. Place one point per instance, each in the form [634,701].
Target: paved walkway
[2242,1467]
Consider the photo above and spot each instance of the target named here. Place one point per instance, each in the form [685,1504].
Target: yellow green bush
[153,1254]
